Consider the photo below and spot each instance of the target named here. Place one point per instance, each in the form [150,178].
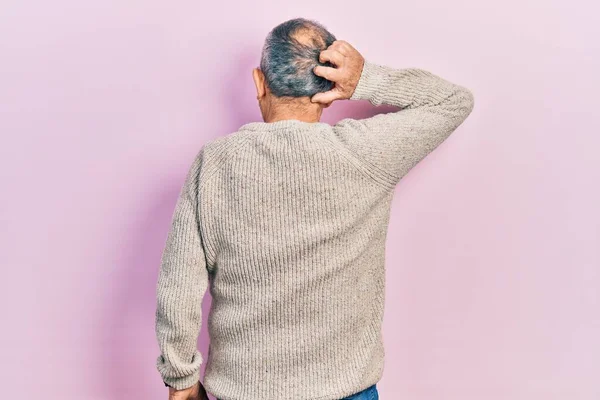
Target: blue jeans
[369,393]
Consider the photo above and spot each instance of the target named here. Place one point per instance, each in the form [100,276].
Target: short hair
[289,55]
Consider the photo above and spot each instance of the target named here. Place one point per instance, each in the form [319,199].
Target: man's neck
[301,111]
[299,117]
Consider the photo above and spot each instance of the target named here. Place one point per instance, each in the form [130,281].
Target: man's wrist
[372,77]
[197,384]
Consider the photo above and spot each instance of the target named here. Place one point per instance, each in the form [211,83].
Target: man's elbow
[463,103]
[467,100]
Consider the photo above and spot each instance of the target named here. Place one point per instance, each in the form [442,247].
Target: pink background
[493,251]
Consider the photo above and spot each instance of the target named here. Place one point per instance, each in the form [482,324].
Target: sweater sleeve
[182,283]
[431,108]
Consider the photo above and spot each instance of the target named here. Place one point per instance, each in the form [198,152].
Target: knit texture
[285,223]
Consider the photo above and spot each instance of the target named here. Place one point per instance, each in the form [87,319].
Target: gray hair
[290,53]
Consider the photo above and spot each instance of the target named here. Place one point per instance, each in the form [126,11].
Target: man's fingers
[342,47]
[325,97]
[333,56]
[328,73]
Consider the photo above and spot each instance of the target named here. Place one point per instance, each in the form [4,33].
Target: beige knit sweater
[286,224]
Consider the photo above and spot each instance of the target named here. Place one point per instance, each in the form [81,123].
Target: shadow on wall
[129,339]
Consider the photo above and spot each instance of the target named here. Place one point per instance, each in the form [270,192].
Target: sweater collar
[281,125]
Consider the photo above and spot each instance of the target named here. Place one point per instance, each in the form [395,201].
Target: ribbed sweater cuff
[406,87]
[180,381]
[183,382]
[371,79]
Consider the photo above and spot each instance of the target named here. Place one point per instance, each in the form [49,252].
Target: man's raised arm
[431,108]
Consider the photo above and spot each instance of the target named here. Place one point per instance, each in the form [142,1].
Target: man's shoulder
[221,143]
[217,150]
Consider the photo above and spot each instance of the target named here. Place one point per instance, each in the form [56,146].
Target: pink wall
[493,252]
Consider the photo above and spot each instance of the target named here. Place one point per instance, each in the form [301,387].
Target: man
[286,221]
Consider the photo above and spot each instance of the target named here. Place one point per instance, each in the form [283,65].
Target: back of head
[290,53]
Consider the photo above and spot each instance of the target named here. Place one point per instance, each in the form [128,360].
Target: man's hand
[348,67]
[195,392]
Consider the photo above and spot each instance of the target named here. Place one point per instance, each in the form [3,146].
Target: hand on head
[348,67]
